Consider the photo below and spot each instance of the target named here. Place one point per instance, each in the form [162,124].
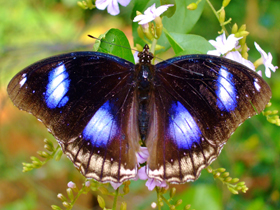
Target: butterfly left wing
[197,103]
[86,100]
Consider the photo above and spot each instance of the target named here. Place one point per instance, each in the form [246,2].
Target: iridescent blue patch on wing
[102,126]
[182,127]
[226,91]
[57,88]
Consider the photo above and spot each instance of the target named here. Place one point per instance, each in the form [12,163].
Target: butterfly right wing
[86,100]
[198,102]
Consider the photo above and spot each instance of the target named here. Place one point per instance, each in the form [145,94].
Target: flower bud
[123,206]
[234,28]
[241,34]
[233,191]
[66,204]
[103,190]
[187,207]
[221,170]
[216,175]
[43,154]
[61,197]
[70,194]
[159,27]
[172,192]
[180,201]
[192,6]
[87,184]
[55,207]
[140,32]
[226,174]
[225,2]
[222,16]
[242,28]
[101,201]
[147,32]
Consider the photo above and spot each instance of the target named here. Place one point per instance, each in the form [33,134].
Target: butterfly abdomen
[145,76]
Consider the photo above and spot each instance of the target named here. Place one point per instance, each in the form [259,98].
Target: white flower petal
[267,72]
[142,173]
[236,56]
[267,61]
[151,13]
[162,9]
[124,3]
[223,44]
[138,18]
[115,185]
[112,5]
[102,4]
[146,20]
[259,73]
[261,51]
[213,52]
[142,155]
[113,8]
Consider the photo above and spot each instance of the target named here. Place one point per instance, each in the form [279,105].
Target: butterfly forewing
[86,100]
[200,100]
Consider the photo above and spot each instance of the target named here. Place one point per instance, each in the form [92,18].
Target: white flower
[223,44]
[115,185]
[151,13]
[236,56]
[267,61]
[151,183]
[112,5]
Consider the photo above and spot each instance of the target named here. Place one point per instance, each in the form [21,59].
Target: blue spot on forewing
[102,126]
[57,87]
[226,91]
[182,127]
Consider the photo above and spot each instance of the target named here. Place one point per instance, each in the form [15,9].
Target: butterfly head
[145,56]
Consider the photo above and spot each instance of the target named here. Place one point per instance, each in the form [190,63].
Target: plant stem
[216,14]
[115,199]
[158,196]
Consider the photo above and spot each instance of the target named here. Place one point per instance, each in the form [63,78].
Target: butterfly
[99,107]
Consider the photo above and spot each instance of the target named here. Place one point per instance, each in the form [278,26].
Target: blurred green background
[31,30]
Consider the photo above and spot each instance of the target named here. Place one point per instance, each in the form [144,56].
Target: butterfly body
[99,107]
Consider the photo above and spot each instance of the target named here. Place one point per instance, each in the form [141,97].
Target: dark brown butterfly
[99,107]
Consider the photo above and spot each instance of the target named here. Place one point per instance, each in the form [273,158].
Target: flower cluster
[228,48]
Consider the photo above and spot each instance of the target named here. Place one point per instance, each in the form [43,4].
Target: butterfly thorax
[145,74]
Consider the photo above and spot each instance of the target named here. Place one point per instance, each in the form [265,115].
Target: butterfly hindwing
[202,100]
[85,99]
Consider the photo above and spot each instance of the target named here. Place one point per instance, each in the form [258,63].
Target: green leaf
[183,20]
[183,44]
[115,43]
